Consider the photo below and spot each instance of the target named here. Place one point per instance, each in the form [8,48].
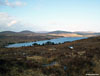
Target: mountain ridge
[54,33]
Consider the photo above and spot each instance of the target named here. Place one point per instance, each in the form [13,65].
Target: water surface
[55,41]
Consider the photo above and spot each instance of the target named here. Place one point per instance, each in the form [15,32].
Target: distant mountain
[97,33]
[16,33]
[53,33]
[7,32]
[74,34]
[88,33]
[26,32]
[59,32]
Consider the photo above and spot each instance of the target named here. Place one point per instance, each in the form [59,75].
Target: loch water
[55,41]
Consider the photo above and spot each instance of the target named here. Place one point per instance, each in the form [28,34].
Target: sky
[50,15]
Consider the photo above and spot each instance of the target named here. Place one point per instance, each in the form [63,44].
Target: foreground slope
[52,60]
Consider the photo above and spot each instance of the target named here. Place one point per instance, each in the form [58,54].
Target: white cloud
[7,20]
[12,23]
[14,3]
[19,3]
[7,3]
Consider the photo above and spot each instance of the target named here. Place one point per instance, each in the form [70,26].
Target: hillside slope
[52,60]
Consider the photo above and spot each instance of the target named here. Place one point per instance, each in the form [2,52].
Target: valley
[76,58]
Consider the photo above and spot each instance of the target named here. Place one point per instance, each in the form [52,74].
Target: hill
[74,34]
[26,32]
[52,33]
[52,60]
[88,33]
[7,32]
[59,32]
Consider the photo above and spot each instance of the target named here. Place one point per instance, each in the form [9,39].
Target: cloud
[15,3]
[12,23]
[7,20]
[19,3]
